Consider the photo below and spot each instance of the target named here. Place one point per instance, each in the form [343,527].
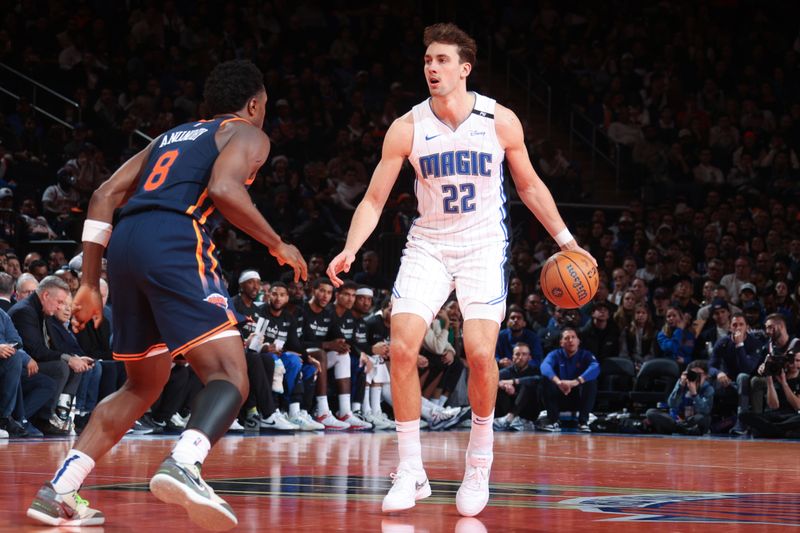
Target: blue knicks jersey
[177,172]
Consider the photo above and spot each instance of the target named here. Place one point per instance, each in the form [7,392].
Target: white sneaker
[331,422]
[356,423]
[304,422]
[236,426]
[278,421]
[473,495]
[386,420]
[406,489]
[3,434]
[552,428]
[178,421]
[378,421]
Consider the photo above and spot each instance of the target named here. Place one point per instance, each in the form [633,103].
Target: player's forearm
[363,224]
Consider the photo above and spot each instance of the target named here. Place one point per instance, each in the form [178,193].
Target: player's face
[363,304]
[257,108]
[323,295]
[251,287]
[278,298]
[346,298]
[443,72]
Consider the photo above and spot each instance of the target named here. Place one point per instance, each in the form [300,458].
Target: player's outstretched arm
[532,190]
[111,194]
[240,158]
[396,147]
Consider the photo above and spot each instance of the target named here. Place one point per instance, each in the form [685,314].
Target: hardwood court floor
[540,482]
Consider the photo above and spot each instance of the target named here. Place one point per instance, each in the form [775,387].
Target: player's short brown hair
[449,33]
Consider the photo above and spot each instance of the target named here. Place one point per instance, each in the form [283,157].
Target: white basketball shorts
[430,271]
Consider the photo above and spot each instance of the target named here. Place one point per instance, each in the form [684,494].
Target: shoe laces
[401,476]
[476,476]
[80,502]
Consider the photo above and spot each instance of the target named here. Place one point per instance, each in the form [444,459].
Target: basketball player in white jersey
[456,141]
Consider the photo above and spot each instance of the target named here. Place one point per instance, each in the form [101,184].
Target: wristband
[97,232]
[563,237]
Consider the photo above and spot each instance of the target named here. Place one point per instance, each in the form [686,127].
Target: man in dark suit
[29,317]
[6,291]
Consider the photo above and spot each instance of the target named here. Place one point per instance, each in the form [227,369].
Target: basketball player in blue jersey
[167,293]
[456,141]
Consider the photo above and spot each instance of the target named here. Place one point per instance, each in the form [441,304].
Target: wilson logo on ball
[577,284]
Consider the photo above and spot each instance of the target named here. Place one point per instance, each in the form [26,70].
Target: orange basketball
[569,279]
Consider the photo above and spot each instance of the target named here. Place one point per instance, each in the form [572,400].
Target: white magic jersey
[459,185]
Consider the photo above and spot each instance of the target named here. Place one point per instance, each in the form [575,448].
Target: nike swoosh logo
[429,137]
[420,485]
[68,511]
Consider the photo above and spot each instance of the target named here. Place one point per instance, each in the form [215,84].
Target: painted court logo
[217,299]
[719,507]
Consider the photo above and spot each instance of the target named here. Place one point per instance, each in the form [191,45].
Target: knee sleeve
[214,409]
[341,368]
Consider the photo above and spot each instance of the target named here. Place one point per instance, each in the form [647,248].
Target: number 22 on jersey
[160,170]
[465,205]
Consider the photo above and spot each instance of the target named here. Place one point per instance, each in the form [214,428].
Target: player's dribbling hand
[87,305]
[286,254]
[340,263]
[573,246]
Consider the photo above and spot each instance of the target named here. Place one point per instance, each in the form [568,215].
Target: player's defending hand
[88,305]
[340,263]
[286,254]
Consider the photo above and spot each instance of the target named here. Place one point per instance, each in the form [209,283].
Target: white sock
[73,470]
[322,405]
[356,407]
[481,436]
[294,409]
[375,399]
[344,404]
[366,407]
[387,393]
[192,447]
[408,444]
[442,400]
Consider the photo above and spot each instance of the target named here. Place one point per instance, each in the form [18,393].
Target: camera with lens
[774,363]
[692,376]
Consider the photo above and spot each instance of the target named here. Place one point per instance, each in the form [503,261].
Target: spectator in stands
[690,404]
[676,339]
[536,315]
[638,339]
[25,286]
[29,317]
[6,291]
[570,375]
[624,313]
[601,335]
[369,275]
[650,269]
[36,226]
[783,417]
[734,360]
[711,333]
[12,266]
[518,391]
[780,344]
[742,274]
[59,200]
[38,269]
[517,332]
